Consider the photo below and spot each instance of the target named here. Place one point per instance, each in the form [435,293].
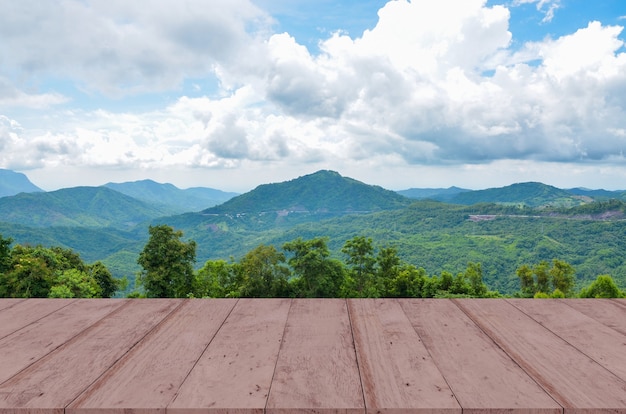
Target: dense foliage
[305,268]
[39,272]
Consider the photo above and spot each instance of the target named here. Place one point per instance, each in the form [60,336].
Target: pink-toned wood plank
[573,379]
[235,373]
[50,384]
[317,370]
[611,313]
[397,372]
[39,338]
[482,377]
[148,377]
[25,312]
[8,302]
[604,345]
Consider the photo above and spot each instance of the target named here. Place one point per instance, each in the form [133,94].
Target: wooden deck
[315,356]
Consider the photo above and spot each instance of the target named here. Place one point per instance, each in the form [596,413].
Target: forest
[300,269]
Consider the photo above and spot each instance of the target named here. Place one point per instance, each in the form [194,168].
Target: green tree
[74,283]
[28,277]
[562,275]
[387,270]
[543,277]
[167,263]
[474,275]
[360,259]
[263,273]
[317,274]
[5,254]
[527,282]
[216,279]
[108,285]
[603,287]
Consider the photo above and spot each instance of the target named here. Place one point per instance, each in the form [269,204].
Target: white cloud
[547,7]
[435,82]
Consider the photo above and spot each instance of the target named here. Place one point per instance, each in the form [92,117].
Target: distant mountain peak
[321,191]
[12,183]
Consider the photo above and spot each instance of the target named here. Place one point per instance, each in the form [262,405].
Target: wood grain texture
[235,373]
[21,313]
[572,378]
[397,372]
[611,313]
[317,369]
[9,302]
[604,345]
[148,377]
[481,376]
[36,340]
[56,380]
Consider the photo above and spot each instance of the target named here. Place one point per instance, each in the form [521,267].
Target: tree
[361,260]
[107,283]
[474,275]
[74,283]
[317,274]
[603,287]
[263,273]
[527,282]
[5,254]
[562,274]
[216,279]
[543,277]
[167,263]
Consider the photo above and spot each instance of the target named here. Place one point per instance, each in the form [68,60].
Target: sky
[231,94]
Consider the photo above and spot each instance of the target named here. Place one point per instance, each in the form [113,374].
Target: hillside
[320,192]
[78,206]
[12,183]
[529,194]
[438,194]
[172,197]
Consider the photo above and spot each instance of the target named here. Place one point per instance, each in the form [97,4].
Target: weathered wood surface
[572,378]
[279,356]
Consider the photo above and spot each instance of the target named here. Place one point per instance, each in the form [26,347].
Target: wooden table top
[314,356]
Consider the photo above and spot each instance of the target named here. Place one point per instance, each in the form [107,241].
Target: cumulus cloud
[117,47]
[435,82]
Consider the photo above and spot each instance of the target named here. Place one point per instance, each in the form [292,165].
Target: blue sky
[231,94]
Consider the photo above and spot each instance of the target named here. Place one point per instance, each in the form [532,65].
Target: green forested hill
[172,197]
[320,192]
[102,224]
[78,207]
[529,194]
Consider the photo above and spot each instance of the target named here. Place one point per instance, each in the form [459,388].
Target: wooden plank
[234,375]
[8,302]
[573,379]
[49,385]
[24,312]
[39,338]
[611,313]
[397,372]
[317,369]
[604,345]
[148,377]
[482,377]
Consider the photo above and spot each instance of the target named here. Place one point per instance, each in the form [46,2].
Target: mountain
[598,194]
[320,192]
[439,194]
[12,183]
[531,194]
[180,201]
[78,206]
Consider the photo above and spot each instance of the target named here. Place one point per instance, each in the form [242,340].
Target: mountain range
[432,228]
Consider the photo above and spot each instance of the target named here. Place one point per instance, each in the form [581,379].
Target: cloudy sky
[231,94]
